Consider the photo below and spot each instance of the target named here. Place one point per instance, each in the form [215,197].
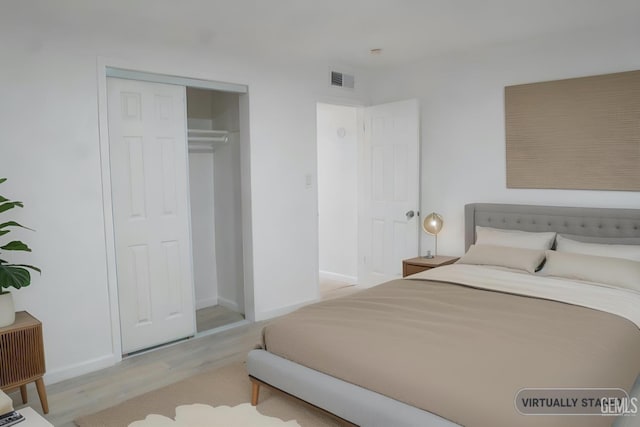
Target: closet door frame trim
[110,67]
[174,80]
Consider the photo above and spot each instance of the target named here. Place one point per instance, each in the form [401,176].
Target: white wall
[463,137]
[338,191]
[205,272]
[50,145]
[229,224]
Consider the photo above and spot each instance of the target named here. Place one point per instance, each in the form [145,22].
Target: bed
[452,346]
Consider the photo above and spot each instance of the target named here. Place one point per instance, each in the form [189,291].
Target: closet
[216,210]
[175,186]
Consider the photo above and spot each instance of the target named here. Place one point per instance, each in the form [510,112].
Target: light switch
[308,180]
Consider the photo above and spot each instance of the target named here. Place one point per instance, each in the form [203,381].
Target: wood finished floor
[333,289]
[145,372]
[213,317]
[142,373]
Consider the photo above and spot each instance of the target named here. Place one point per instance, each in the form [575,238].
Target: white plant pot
[7,310]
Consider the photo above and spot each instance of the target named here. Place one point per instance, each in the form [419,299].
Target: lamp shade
[432,223]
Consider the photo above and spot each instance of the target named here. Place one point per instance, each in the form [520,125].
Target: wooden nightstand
[22,357]
[416,265]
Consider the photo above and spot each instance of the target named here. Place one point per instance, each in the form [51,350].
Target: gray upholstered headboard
[601,225]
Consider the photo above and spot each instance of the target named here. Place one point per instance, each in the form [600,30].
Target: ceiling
[338,31]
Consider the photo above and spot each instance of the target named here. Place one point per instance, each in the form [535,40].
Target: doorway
[337,145]
[216,207]
[368,192]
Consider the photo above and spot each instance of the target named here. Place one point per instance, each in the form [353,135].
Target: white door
[148,153]
[389,222]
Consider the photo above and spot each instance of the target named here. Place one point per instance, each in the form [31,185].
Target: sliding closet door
[148,151]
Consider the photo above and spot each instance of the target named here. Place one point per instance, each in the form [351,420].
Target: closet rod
[209,132]
[223,139]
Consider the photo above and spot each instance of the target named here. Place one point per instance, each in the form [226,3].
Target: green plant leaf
[14,277]
[10,205]
[13,224]
[28,266]
[16,245]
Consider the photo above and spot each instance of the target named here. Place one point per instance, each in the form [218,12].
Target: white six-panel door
[390,182]
[148,154]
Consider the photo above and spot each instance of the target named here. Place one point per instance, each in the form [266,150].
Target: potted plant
[11,275]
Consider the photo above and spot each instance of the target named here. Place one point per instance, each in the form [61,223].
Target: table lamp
[432,224]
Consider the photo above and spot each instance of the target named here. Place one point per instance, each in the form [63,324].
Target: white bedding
[618,301]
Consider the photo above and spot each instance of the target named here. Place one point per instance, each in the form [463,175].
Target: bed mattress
[462,351]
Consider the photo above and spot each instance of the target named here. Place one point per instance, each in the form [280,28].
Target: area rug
[227,386]
[199,415]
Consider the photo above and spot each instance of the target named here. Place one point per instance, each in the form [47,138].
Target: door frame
[148,72]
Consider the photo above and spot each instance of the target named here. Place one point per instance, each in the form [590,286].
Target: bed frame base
[255,395]
[348,403]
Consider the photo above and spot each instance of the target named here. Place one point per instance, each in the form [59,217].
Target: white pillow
[503,256]
[514,238]
[631,252]
[610,271]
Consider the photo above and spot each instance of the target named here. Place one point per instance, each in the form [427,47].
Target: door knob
[410,214]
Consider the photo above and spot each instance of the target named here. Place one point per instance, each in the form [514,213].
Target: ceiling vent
[339,79]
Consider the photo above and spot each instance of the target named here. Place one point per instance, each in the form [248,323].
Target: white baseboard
[206,302]
[227,303]
[338,277]
[71,371]
[269,314]
[222,328]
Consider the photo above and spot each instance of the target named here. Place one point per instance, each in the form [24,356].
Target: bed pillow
[603,240]
[503,256]
[620,272]
[514,238]
[631,252]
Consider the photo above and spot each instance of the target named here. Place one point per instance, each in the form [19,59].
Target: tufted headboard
[602,225]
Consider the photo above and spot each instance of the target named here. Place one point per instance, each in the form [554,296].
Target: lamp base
[428,255]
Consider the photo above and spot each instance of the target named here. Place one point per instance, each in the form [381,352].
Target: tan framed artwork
[581,133]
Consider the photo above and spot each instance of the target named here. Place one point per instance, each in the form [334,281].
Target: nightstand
[22,357]
[416,265]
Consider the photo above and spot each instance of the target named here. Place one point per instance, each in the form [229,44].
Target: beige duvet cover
[461,352]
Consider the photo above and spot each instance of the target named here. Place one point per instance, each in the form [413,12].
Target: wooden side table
[22,357]
[416,265]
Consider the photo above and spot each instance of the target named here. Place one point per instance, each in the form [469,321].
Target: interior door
[389,219]
[148,153]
